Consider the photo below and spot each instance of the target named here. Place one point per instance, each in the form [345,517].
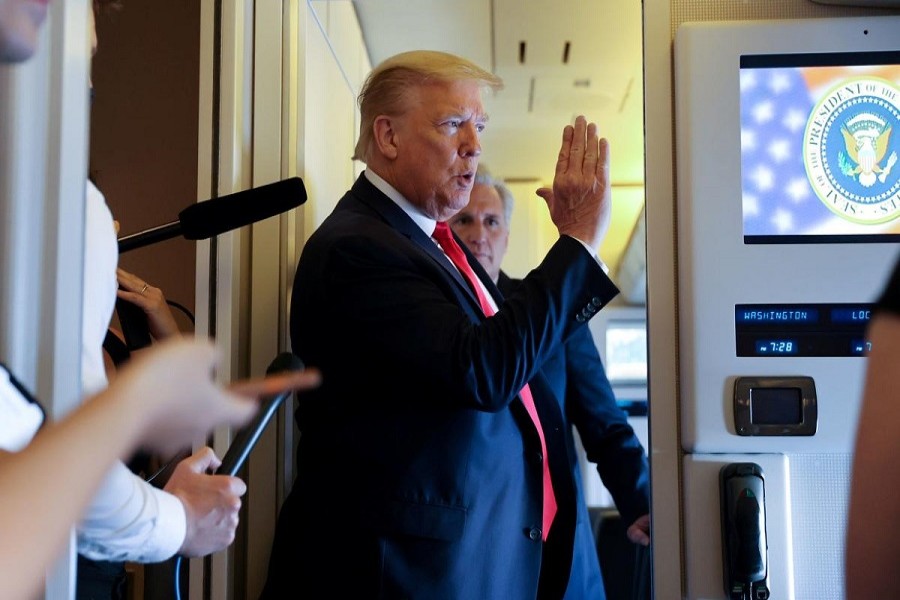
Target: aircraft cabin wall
[698,301]
[269,135]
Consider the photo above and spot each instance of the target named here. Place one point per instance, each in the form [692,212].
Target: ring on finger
[144,289]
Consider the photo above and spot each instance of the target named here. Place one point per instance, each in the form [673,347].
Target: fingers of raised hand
[591,151]
[601,169]
[576,148]
[580,128]
[562,161]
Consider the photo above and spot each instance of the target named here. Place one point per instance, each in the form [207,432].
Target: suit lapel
[371,196]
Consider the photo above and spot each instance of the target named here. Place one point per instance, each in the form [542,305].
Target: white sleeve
[130,520]
[593,253]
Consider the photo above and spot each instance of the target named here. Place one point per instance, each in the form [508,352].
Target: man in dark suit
[578,379]
[420,470]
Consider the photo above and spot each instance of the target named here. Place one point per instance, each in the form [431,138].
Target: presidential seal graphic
[850,150]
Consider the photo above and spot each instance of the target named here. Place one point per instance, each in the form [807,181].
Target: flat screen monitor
[626,351]
[820,144]
[620,333]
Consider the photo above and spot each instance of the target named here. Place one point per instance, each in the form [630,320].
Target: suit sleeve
[381,293]
[607,437]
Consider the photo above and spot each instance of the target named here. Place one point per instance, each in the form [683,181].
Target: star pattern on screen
[777,196]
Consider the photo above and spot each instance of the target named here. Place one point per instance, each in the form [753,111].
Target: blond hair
[387,86]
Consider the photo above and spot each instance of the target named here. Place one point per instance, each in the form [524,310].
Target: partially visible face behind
[482,227]
[92,22]
[437,144]
[20,24]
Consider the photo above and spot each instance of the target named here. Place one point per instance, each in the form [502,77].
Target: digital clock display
[796,330]
[780,347]
[860,347]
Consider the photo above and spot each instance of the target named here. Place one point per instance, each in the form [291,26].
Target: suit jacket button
[597,301]
[534,534]
[579,318]
[539,457]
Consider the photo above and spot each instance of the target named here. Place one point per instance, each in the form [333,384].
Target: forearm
[47,485]
[629,485]
[872,543]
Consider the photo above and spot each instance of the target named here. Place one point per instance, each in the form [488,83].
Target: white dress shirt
[128,519]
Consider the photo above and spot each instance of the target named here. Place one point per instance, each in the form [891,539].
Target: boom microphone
[213,217]
[247,436]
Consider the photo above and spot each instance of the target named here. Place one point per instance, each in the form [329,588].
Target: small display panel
[776,406]
[793,330]
[819,147]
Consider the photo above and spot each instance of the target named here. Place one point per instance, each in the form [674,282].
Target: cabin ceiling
[558,59]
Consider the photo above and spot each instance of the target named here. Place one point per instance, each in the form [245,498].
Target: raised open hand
[580,201]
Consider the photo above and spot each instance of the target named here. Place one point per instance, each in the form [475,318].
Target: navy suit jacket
[578,379]
[418,468]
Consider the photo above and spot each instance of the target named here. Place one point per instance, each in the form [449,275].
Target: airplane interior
[756,218]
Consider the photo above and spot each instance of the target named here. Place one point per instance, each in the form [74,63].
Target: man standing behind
[421,464]
[579,382]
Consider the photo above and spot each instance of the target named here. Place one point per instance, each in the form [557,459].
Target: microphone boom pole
[210,218]
[160,233]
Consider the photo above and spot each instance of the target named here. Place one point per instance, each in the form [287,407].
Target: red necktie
[448,244]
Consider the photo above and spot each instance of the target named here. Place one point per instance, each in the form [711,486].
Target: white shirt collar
[426,223]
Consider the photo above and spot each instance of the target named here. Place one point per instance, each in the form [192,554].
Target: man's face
[20,24]
[482,226]
[436,144]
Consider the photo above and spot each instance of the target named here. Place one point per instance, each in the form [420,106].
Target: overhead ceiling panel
[461,27]
[600,34]
[571,95]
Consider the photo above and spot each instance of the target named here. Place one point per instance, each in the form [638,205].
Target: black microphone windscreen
[219,215]
[286,361]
